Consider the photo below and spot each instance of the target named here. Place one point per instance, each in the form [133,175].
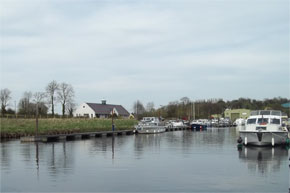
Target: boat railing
[266,112]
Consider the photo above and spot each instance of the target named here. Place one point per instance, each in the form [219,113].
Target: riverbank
[15,128]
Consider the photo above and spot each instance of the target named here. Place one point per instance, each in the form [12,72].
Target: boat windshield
[253,113]
[264,112]
[275,121]
[251,121]
[263,120]
[149,119]
[277,113]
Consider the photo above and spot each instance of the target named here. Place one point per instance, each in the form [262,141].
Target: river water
[179,161]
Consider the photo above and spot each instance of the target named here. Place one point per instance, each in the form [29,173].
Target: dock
[177,128]
[74,136]
[87,135]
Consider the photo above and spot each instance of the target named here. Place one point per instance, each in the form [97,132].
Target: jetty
[74,136]
[176,128]
[86,135]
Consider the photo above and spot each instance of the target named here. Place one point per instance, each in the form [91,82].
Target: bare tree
[150,107]
[4,98]
[25,106]
[71,106]
[138,108]
[51,90]
[65,95]
[185,100]
[28,96]
[38,97]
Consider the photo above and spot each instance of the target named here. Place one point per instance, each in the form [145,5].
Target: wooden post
[193,111]
[36,128]
[113,126]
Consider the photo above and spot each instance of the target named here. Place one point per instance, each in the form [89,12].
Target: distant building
[216,116]
[234,114]
[100,110]
[286,105]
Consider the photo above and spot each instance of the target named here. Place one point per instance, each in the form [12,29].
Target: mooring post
[113,126]
[36,129]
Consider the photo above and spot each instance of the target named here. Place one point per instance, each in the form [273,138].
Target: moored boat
[150,125]
[264,127]
[240,122]
[175,124]
[198,125]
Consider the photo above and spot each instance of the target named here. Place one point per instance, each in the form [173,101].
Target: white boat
[175,124]
[150,125]
[264,127]
[240,122]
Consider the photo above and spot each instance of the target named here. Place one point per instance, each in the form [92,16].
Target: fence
[20,116]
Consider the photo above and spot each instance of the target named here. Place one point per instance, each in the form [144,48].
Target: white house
[100,110]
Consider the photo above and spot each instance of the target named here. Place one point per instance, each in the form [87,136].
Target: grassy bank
[25,127]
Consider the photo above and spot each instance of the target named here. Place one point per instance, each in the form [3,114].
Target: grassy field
[24,127]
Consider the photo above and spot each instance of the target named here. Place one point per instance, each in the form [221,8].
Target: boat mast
[193,110]
[137,109]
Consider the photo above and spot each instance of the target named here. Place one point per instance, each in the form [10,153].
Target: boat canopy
[263,121]
[266,112]
[150,119]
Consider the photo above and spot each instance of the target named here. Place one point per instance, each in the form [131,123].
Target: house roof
[105,109]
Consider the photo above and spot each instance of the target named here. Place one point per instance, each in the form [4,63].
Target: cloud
[166,48]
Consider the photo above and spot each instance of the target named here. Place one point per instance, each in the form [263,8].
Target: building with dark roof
[100,110]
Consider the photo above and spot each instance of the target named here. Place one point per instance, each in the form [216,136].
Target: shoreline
[16,128]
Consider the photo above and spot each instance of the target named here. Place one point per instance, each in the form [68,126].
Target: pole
[190,112]
[137,110]
[113,126]
[193,106]
[36,129]
[15,109]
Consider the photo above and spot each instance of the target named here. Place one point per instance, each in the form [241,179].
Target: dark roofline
[100,108]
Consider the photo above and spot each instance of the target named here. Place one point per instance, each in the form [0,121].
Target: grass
[25,127]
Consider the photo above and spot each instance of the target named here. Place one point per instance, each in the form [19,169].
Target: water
[180,161]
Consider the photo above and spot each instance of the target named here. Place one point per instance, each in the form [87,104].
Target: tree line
[203,109]
[54,92]
[63,93]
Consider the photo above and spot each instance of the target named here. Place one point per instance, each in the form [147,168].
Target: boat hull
[264,138]
[150,130]
[198,127]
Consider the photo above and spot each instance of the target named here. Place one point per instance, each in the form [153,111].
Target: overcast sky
[151,50]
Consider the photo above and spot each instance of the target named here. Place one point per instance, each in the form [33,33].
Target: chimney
[103,101]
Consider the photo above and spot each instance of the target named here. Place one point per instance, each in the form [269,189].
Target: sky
[150,50]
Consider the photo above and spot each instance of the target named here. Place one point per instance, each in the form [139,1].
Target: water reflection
[104,145]
[57,158]
[214,136]
[180,161]
[264,160]
[145,142]
[113,147]
[5,155]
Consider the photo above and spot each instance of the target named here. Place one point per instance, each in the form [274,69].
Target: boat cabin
[265,117]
